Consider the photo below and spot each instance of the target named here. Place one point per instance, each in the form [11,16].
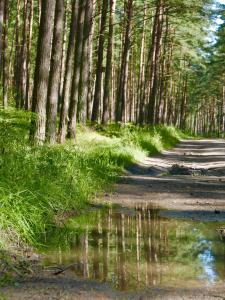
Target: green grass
[150,140]
[38,183]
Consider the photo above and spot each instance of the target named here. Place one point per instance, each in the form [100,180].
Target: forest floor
[189,181]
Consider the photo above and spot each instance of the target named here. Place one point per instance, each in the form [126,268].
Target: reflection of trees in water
[136,248]
[86,254]
[124,248]
[96,255]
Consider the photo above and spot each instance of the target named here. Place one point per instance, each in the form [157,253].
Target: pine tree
[54,77]
[68,74]
[41,78]
[99,67]
[77,71]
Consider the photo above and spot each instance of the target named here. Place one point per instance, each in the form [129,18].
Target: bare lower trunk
[29,45]
[122,88]
[85,61]
[98,81]
[77,70]
[42,71]
[68,74]
[140,104]
[2,6]
[108,72]
[54,78]
[5,55]
[156,38]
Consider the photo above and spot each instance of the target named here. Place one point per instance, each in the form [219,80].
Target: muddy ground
[189,181]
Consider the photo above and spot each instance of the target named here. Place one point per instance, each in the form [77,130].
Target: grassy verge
[39,183]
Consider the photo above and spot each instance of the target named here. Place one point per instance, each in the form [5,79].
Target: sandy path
[151,183]
[197,197]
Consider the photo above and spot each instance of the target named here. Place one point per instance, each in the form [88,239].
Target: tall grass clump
[39,183]
[150,139]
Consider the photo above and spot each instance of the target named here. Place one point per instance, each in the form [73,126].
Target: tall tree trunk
[155,52]
[2,7]
[42,71]
[183,109]
[167,79]
[68,74]
[98,81]
[17,58]
[28,62]
[85,61]
[122,88]
[108,71]
[223,113]
[54,77]
[141,81]
[63,55]
[39,10]
[161,87]
[90,75]
[5,55]
[23,56]
[77,70]
[170,101]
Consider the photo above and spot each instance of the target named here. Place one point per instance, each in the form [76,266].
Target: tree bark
[141,97]
[108,71]
[41,78]
[2,8]
[68,74]
[183,108]
[24,55]
[63,56]
[54,77]
[122,88]
[90,76]
[85,61]
[5,55]
[77,70]
[223,113]
[98,81]
[28,62]
[155,52]
[167,79]
[17,55]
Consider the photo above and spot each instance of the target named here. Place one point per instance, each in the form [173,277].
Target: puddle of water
[138,248]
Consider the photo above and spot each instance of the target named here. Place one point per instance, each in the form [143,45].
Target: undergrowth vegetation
[39,183]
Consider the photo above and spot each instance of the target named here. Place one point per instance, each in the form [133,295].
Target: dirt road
[189,181]
[189,178]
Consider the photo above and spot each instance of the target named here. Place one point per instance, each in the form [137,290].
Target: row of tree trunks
[139,77]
